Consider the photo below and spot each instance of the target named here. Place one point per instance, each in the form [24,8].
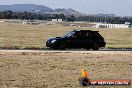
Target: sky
[118,7]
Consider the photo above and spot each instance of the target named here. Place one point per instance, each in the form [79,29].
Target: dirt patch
[61,69]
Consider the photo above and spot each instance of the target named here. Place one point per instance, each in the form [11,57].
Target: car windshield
[69,34]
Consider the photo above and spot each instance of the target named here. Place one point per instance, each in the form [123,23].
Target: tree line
[31,16]
[112,20]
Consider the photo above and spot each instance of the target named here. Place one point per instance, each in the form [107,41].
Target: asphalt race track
[101,49]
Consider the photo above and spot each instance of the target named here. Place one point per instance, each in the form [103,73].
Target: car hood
[57,38]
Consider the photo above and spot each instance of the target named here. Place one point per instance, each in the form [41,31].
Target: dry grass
[59,70]
[34,36]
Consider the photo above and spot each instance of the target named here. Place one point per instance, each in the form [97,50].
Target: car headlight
[53,41]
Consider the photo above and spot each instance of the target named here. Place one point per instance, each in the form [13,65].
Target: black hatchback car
[86,39]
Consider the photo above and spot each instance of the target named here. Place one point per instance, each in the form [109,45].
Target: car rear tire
[95,46]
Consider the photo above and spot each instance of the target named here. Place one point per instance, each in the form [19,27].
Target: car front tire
[87,48]
[62,46]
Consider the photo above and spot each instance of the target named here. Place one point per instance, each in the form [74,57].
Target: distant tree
[8,14]
[0,15]
[70,18]
[62,16]
[56,16]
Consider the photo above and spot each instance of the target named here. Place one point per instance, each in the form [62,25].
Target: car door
[76,40]
[87,39]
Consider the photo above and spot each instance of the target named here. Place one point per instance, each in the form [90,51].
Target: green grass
[34,36]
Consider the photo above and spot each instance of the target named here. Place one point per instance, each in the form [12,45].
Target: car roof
[85,30]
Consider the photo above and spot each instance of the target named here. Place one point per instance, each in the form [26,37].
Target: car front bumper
[49,44]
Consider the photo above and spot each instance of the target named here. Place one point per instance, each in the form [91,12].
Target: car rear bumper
[102,44]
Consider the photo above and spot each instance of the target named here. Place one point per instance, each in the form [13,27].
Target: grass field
[62,69]
[28,36]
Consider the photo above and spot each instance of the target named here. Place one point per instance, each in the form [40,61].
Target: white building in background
[101,25]
[54,20]
[57,20]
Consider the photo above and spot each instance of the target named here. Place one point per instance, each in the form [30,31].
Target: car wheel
[87,48]
[62,46]
[55,48]
[95,46]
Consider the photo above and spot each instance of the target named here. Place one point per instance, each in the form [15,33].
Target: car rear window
[96,34]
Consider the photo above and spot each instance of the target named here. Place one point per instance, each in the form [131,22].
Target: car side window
[74,36]
[79,35]
[87,35]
